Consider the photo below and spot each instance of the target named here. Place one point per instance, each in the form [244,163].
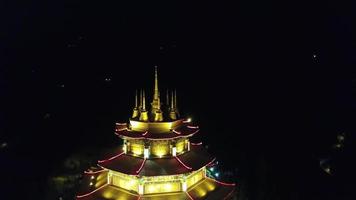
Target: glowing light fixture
[140,189]
[174,151]
[184,186]
[92,177]
[146,153]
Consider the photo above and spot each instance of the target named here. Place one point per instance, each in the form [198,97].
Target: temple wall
[162,187]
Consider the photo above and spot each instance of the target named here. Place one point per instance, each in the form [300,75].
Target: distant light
[107,79]
[91,183]
[3,145]
[189,119]
[314,55]
[217,174]
[212,169]
[92,177]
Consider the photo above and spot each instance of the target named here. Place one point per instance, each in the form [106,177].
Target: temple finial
[144,113]
[172,113]
[167,98]
[175,99]
[172,102]
[156,92]
[140,99]
[155,101]
[136,100]
[135,110]
[143,101]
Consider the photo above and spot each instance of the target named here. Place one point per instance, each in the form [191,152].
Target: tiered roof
[190,161]
[184,130]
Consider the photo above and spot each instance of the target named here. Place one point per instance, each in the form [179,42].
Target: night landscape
[270,84]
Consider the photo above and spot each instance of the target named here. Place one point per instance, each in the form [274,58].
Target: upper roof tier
[158,112]
[156,130]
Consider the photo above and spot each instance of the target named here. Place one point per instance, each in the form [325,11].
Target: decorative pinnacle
[143,101]
[167,98]
[156,92]
[175,99]
[136,100]
[172,102]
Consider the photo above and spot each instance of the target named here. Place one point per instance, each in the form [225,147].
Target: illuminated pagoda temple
[157,159]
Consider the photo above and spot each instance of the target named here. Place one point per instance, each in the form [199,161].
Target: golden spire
[144,114]
[172,102]
[167,98]
[156,92]
[143,101]
[172,113]
[175,99]
[136,101]
[135,110]
[175,102]
[156,102]
[140,99]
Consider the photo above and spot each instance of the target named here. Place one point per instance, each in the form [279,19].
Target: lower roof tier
[207,189]
[190,161]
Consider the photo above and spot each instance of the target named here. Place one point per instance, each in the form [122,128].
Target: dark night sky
[244,71]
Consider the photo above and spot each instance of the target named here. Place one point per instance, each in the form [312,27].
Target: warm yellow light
[189,119]
[161,187]
[108,194]
[184,186]
[91,183]
[124,181]
[157,127]
[160,148]
[180,146]
[174,151]
[137,125]
[195,177]
[140,189]
[146,153]
[92,177]
[136,148]
[124,148]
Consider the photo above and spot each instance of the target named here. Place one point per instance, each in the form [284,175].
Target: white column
[146,153]
[174,151]
[184,185]
[140,189]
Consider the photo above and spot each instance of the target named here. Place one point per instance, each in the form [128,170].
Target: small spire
[140,99]
[172,113]
[172,102]
[135,110]
[143,101]
[156,92]
[136,100]
[167,97]
[175,99]
[143,114]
